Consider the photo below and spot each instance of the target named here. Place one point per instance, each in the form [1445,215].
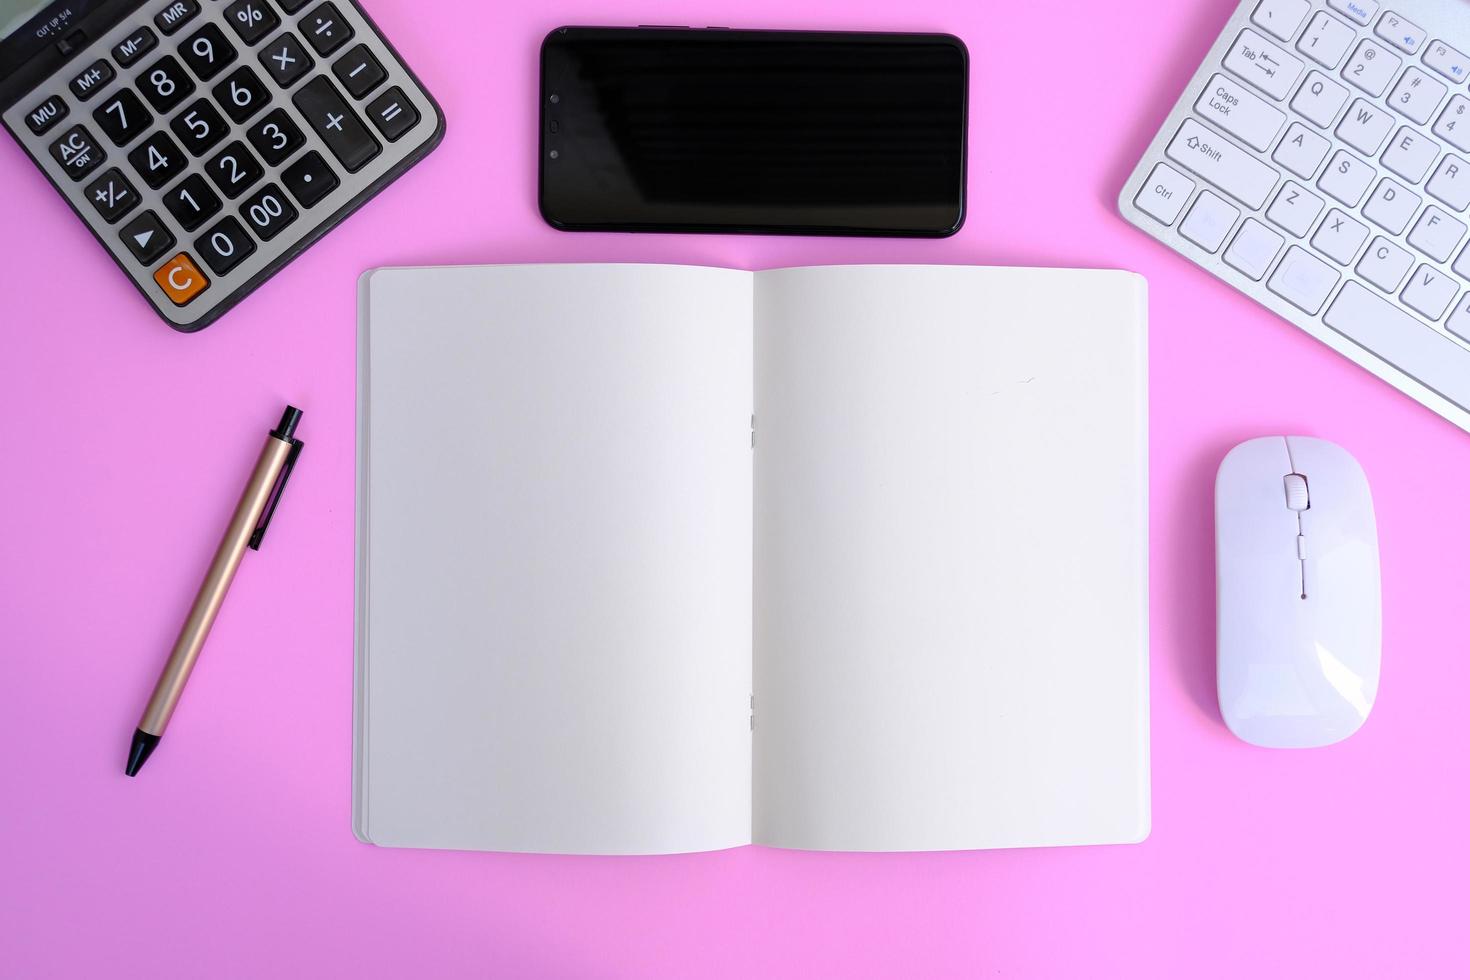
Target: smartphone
[771,132]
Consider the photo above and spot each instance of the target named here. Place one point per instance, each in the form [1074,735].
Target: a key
[1371,67]
[50,112]
[1364,127]
[1326,40]
[225,245]
[112,195]
[1263,64]
[1451,182]
[146,237]
[1346,178]
[241,94]
[1447,61]
[1294,209]
[325,29]
[192,202]
[1339,236]
[134,46]
[92,79]
[1164,193]
[1429,292]
[1391,206]
[1409,154]
[77,152]
[334,121]
[392,113]
[251,19]
[1436,234]
[1280,18]
[275,137]
[1301,151]
[1454,123]
[1235,171]
[1254,247]
[285,60]
[207,51]
[158,160]
[1303,280]
[358,71]
[199,127]
[1240,113]
[1384,264]
[1402,34]
[1379,326]
[233,170]
[267,212]
[164,84]
[1319,98]
[310,179]
[1417,95]
[180,279]
[176,15]
[1459,321]
[1209,221]
[122,116]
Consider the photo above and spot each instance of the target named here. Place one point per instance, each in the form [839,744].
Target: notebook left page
[554,560]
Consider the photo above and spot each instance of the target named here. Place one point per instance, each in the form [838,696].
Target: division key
[335,122]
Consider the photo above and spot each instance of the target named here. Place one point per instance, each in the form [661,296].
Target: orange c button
[180,278]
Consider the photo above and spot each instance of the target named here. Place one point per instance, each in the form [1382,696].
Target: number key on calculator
[206,143]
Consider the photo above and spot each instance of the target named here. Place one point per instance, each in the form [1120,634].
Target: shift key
[1222,163]
[335,122]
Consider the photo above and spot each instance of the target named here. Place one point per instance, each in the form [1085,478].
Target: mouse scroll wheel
[1296,492]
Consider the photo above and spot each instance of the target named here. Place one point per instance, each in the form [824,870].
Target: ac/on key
[1222,163]
[335,122]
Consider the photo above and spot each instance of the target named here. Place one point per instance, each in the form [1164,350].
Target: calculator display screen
[716,130]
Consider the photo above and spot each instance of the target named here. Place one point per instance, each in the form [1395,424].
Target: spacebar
[1430,358]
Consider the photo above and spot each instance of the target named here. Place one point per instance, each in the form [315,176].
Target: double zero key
[335,122]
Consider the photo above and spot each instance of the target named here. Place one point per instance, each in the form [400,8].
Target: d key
[335,122]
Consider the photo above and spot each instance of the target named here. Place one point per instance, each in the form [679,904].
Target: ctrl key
[180,279]
[1164,193]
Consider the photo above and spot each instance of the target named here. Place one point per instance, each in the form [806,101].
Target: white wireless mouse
[1299,608]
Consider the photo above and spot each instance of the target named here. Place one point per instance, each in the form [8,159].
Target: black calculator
[207,143]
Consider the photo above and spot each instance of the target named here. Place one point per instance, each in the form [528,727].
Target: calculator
[206,143]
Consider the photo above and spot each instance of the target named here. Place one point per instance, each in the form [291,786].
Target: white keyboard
[1319,161]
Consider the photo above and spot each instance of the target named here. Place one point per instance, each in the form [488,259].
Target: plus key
[335,122]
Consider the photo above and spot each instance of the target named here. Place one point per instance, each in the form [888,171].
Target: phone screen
[676,129]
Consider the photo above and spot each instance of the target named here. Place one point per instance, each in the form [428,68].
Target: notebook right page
[950,558]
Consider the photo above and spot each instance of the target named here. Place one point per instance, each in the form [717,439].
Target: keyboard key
[309,179]
[122,117]
[77,152]
[1164,193]
[325,29]
[176,15]
[1400,33]
[158,160]
[180,279]
[285,60]
[165,84]
[1209,221]
[275,137]
[1326,40]
[1338,237]
[1385,264]
[224,246]
[146,237]
[54,109]
[1391,206]
[338,126]
[134,46]
[1459,321]
[252,19]
[1301,151]
[199,127]
[1429,291]
[1235,171]
[1254,247]
[393,114]
[1365,127]
[1361,11]
[1382,328]
[1451,182]
[1236,111]
[1263,65]
[1409,154]
[241,94]
[233,170]
[1462,264]
[1280,18]
[359,72]
[192,202]
[267,212]
[1346,178]
[1454,123]
[92,79]
[1436,234]
[1417,95]
[1303,280]
[112,195]
[1319,99]
[207,51]
[1371,67]
[1447,61]
[1294,209]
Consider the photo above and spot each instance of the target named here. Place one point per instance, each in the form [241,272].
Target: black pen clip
[270,507]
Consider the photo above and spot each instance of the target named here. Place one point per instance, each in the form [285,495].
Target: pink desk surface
[231,855]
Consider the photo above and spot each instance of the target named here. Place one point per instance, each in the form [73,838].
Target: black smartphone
[771,132]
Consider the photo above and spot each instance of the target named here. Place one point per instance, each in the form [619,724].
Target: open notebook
[664,558]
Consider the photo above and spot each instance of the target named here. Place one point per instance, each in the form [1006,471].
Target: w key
[335,122]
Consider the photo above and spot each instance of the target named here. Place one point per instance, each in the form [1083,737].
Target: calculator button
[90,81]
[241,94]
[291,6]
[47,114]
[77,152]
[122,117]
[285,60]
[392,113]
[267,211]
[199,127]
[192,202]
[325,29]
[275,137]
[309,179]
[164,84]
[252,19]
[158,160]
[112,195]
[336,123]
[224,246]
[358,71]
[180,279]
[176,15]
[146,237]
[233,170]
[135,46]
[207,51]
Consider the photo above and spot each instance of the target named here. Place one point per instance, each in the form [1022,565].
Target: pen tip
[143,746]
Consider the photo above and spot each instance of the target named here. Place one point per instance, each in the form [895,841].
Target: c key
[181,279]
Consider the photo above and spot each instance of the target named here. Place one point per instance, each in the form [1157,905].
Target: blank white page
[554,595]
[951,558]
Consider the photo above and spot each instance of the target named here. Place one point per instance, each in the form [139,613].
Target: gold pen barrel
[216,583]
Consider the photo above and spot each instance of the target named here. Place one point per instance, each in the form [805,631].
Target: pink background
[231,855]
